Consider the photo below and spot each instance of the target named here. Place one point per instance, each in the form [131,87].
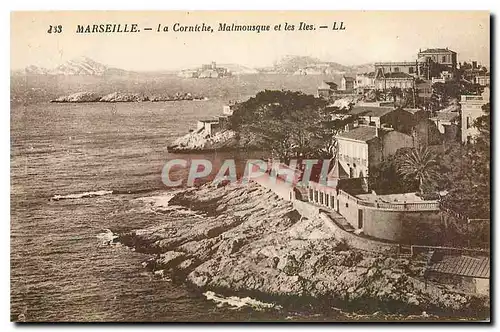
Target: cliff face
[245,239]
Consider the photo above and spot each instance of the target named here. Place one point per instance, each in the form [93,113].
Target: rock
[123,97]
[246,241]
[169,259]
[79,97]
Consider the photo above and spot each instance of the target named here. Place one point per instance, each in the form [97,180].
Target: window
[444,58]
[411,70]
[468,139]
[468,122]
[396,69]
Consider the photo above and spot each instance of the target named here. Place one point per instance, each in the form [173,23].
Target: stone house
[471,106]
[394,80]
[347,83]
[364,147]
[372,115]
[407,67]
[327,89]
[468,272]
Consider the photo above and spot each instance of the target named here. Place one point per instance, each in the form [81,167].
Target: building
[209,126]
[433,61]
[366,146]
[372,115]
[474,73]
[471,106]
[424,91]
[189,73]
[228,109]
[206,71]
[407,67]
[347,83]
[394,80]
[441,56]
[482,80]
[443,120]
[469,272]
[212,65]
[364,82]
[209,73]
[444,76]
[327,89]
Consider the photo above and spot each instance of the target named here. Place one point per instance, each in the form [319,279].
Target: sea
[60,271]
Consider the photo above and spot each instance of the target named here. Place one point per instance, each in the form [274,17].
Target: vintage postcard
[244,166]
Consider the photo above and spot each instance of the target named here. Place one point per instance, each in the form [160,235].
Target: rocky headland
[115,97]
[244,240]
[224,140]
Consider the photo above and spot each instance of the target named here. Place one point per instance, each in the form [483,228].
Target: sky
[369,36]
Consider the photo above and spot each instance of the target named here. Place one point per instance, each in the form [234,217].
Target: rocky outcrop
[124,97]
[79,97]
[202,141]
[87,97]
[243,239]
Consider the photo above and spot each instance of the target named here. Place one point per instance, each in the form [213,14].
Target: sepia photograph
[250,166]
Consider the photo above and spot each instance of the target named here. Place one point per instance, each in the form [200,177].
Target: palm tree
[421,165]
[395,92]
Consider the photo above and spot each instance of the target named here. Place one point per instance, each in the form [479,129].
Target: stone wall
[358,242]
[278,186]
[311,211]
[412,223]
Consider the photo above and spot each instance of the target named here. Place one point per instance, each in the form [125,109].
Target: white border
[191,5]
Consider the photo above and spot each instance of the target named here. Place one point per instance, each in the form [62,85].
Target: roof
[361,133]
[463,265]
[412,110]
[397,75]
[445,116]
[209,120]
[328,85]
[348,78]
[370,74]
[437,50]
[373,111]
[337,172]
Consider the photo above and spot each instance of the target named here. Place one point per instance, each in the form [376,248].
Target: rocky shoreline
[90,97]
[244,240]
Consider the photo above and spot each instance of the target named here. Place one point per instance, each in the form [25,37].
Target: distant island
[213,71]
[115,97]
[287,65]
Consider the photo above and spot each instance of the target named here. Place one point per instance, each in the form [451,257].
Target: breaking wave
[82,195]
[239,302]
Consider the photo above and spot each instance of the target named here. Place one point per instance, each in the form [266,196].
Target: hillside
[303,65]
[82,66]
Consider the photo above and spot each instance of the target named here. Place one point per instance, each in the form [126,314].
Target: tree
[421,165]
[373,95]
[408,98]
[394,93]
[385,179]
[289,124]
[469,173]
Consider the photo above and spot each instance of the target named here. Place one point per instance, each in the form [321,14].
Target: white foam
[82,195]
[106,237]
[158,201]
[238,302]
